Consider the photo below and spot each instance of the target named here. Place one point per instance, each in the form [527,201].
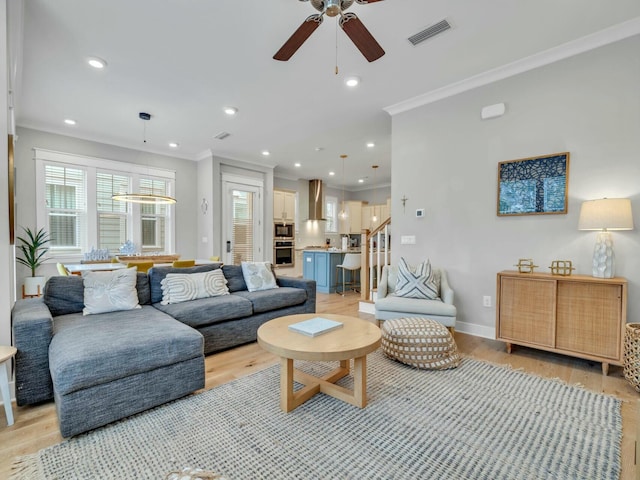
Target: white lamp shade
[606,214]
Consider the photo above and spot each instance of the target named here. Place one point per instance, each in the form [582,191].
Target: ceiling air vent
[429,32]
[222,135]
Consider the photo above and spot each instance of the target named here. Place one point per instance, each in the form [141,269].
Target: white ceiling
[183,61]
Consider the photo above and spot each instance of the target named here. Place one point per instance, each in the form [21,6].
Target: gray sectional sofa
[104,367]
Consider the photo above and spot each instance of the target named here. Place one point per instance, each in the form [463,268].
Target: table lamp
[604,215]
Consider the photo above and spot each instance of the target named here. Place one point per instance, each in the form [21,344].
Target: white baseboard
[367,307]
[462,327]
[476,330]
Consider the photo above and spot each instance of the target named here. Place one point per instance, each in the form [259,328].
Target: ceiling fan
[349,22]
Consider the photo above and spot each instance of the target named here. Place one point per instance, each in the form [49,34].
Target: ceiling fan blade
[296,40]
[361,37]
[364,2]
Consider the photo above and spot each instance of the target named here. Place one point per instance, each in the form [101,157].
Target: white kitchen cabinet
[284,206]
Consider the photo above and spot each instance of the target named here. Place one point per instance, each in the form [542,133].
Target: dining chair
[143,267]
[62,270]
[183,263]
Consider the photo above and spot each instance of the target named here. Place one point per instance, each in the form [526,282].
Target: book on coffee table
[315,326]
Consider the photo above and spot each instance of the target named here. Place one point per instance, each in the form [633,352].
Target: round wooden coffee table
[355,339]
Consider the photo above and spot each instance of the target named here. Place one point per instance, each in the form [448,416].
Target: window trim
[334,200]
[92,165]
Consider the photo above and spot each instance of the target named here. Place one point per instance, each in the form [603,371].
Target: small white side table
[6,354]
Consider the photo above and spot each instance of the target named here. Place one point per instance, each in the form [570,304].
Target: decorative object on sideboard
[525,265]
[534,185]
[97,254]
[145,198]
[605,214]
[33,247]
[561,267]
[128,248]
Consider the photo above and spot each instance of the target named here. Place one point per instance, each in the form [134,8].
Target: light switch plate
[408,239]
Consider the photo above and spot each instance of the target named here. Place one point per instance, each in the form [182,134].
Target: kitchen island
[320,265]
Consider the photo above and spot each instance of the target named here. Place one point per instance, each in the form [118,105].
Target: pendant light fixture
[374,218]
[343,211]
[148,198]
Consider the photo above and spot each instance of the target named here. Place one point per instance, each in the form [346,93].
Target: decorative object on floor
[33,247]
[604,215]
[525,265]
[632,354]
[561,267]
[478,420]
[419,342]
[534,185]
[349,22]
[193,474]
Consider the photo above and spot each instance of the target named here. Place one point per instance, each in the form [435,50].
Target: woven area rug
[479,421]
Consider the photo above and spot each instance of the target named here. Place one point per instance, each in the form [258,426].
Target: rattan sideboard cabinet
[576,315]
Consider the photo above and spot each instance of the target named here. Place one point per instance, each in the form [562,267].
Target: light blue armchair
[389,306]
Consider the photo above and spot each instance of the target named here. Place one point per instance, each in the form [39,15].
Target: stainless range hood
[316,201]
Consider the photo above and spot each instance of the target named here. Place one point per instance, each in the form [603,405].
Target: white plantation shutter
[154,217]
[73,203]
[66,206]
[242,227]
[113,218]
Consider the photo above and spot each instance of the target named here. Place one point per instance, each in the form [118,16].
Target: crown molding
[595,40]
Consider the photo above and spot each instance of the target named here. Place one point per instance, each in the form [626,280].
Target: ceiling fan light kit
[349,22]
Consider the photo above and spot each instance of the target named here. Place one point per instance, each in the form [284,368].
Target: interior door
[242,207]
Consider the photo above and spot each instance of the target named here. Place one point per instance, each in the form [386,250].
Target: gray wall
[444,159]
[186,209]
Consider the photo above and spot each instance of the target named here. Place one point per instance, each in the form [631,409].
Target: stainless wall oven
[284,253]
[284,231]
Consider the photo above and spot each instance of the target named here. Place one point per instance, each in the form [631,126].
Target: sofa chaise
[103,367]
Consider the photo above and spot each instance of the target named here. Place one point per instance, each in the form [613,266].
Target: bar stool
[6,354]
[351,262]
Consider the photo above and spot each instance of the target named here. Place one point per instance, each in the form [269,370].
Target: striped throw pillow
[182,287]
[416,283]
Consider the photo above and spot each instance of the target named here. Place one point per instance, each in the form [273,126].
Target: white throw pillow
[416,283]
[110,291]
[258,276]
[181,287]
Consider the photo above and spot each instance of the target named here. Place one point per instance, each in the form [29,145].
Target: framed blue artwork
[533,186]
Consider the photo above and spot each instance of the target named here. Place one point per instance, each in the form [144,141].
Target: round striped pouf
[419,342]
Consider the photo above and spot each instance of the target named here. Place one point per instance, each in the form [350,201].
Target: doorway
[242,220]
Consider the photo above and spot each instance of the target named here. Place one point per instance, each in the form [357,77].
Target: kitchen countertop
[329,250]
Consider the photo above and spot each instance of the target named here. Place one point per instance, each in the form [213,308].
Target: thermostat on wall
[419,212]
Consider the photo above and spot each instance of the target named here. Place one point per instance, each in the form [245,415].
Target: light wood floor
[37,427]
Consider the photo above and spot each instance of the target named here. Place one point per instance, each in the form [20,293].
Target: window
[80,214]
[331,212]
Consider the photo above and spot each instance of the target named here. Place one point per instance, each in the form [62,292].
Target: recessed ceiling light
[266,153]
[361,180]
[371,145]
[173,144]
[230,110]
[96,62]
[297,164]
[319,149]
[69,121]
[352,81]
[332,173]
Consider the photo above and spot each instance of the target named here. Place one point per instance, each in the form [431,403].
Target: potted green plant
[33,249]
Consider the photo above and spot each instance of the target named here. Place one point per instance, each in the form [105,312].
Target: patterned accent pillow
[182,287]
[258,276]
[110,291]
[416,283]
